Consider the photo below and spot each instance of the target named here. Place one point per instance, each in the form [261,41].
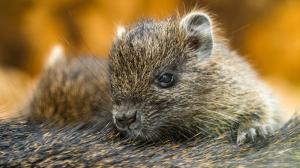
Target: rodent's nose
[123,121]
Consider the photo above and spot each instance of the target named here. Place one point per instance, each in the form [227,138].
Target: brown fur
[72,90]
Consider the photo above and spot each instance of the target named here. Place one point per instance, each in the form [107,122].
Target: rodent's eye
[165,80]
[116,102]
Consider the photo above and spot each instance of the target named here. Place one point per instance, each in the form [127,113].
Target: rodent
[171,78]
[23,144]
[178,78]
[70,90]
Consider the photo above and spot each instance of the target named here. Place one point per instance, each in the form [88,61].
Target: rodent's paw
[252,133]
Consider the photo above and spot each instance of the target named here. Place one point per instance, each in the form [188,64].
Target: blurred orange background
[266,32]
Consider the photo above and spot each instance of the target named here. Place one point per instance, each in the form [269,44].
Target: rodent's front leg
[253,131]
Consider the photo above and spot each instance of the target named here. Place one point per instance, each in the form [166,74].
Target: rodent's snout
[127,120]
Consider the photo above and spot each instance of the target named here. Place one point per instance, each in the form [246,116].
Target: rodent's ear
[197,27]
[120,32]
[56,55]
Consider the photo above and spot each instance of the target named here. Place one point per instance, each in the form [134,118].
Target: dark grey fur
[25,145]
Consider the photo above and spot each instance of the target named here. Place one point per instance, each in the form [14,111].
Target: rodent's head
[164,78]
[154,76]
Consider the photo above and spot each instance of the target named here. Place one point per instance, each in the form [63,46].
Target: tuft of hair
[120,32]
[56,55]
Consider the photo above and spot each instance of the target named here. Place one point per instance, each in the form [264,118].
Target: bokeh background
[266,32]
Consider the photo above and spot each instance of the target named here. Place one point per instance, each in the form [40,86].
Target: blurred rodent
[70,90]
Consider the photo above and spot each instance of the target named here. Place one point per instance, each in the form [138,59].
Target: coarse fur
[71,90]
[216,90]
[24,144]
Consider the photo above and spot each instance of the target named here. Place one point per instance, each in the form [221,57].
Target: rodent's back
[24,144]
[71,90]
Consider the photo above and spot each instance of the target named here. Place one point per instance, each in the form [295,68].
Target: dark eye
[116,102]
[165,80]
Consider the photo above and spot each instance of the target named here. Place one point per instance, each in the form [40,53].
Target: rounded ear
[197,27]
[56,55]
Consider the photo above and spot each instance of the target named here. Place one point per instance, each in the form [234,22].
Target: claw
[253,133]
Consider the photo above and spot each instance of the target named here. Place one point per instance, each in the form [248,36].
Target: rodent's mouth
[135,133]
[133,124]
[138,132]
[141,134]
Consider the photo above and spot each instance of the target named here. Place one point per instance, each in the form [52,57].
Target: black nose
[123,121]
